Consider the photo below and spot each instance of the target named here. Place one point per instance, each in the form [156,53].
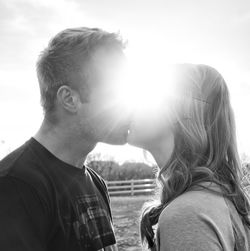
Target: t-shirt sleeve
[102,186]
[187,228]
[23,217]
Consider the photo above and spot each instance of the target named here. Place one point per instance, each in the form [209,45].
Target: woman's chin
[134,140]
[131,140]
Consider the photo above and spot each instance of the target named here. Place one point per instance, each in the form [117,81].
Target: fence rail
[131,187]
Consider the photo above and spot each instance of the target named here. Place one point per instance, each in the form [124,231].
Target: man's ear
[68,98]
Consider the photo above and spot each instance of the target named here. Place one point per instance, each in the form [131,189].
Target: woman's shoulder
[198,200]
[199,217]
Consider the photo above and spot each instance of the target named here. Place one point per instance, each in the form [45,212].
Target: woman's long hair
[205,145]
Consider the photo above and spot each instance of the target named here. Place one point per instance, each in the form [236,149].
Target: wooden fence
[131,187]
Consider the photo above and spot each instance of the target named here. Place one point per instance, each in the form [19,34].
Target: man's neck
[65,145]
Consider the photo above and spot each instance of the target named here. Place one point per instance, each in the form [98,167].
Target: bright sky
[159,32]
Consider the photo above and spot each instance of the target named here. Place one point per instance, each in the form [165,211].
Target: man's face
[103,117]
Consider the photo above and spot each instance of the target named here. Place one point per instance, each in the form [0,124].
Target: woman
[202,205]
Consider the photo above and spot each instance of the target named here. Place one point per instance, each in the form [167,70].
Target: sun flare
[145,89]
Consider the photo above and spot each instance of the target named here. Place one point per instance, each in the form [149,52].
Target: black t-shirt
[46,204]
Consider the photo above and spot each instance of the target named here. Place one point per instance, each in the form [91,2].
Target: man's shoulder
[15,158]
[23,164]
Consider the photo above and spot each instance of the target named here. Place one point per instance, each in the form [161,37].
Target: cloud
[26,27]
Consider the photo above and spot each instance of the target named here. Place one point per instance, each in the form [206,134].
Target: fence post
[132,187]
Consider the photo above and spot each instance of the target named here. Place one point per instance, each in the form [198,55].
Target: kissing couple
[49,200]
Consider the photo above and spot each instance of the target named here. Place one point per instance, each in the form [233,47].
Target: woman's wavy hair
[205,146]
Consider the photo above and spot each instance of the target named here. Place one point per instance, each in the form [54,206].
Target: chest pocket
[93,226]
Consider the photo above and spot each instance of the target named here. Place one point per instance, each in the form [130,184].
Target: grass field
[126,211]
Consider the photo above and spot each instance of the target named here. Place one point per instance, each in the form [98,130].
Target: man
[48,199]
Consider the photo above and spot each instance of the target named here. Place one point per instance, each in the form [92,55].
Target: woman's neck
[162,151]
